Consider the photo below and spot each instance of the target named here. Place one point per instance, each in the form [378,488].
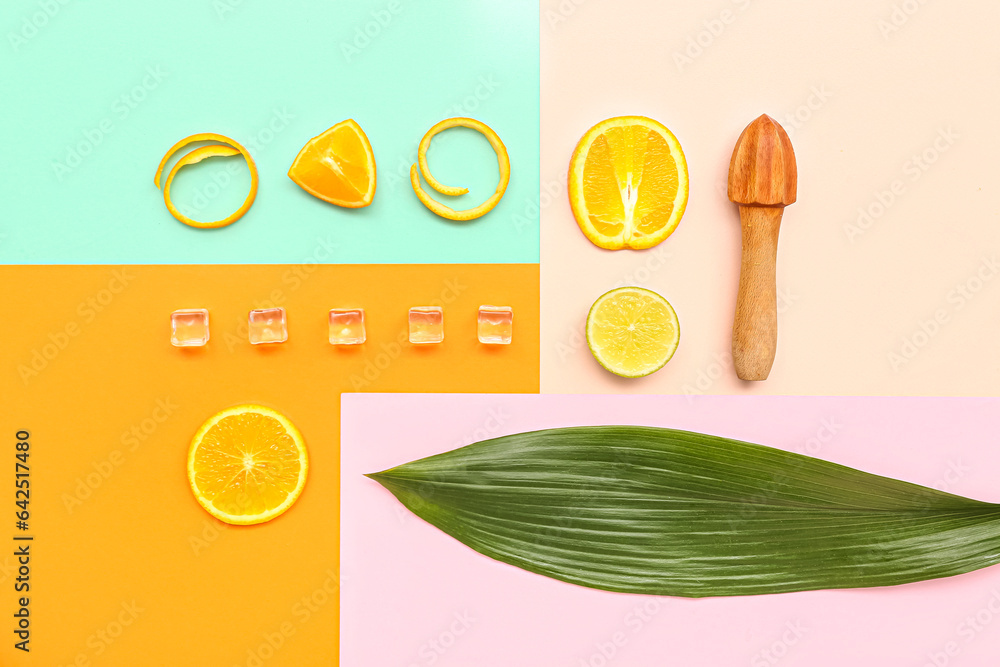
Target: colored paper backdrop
[126,567]
[98,92]
[888,263]
[446,605]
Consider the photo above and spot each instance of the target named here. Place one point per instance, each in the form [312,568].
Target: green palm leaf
[660,511]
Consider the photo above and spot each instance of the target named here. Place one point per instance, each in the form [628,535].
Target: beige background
[864,89]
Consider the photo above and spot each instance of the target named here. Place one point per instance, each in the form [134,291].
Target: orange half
[628,183]
[337,166]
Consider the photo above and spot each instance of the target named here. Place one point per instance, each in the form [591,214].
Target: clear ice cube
[496,325]
[189,327]
[426,324]
[347,326]
[267,325]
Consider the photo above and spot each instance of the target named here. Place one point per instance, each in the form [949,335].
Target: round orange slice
[337,166]
[247,464]
[628,183]
[197,155]
[503,164]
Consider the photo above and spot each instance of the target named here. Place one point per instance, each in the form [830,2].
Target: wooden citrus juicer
[762,180]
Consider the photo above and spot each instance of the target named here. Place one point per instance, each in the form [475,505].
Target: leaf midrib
[411,486]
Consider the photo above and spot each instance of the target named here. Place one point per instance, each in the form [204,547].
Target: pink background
[858,105]
[413,596]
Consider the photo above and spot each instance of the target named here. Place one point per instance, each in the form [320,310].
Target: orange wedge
[337,166]
[197,155]
[628,183]
[247,464]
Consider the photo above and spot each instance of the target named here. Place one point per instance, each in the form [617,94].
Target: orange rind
[421,168]
[197,155]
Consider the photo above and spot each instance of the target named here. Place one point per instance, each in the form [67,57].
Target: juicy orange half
[337,166]
[628,183]
[247,464]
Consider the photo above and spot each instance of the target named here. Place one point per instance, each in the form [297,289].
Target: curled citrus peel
[197,155]
[503,162]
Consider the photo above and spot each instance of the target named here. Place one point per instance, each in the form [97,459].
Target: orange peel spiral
[197,155]
[421,168]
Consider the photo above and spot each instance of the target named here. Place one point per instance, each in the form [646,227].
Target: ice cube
[347,326]
[426,324]
[496,325]
[267,325]
[189,327]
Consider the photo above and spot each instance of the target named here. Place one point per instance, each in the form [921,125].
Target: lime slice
[632,331]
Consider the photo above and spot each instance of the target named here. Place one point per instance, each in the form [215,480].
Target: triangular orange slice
[337,166]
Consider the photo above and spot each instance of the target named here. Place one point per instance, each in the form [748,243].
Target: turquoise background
[94,93]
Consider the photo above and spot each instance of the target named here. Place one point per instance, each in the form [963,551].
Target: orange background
[127,569]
